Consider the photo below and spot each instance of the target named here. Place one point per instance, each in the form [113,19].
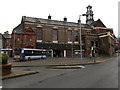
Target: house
[7,39]
[1,41]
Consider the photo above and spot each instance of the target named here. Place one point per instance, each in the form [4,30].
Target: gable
[30,31]
[98,23]
[19,29]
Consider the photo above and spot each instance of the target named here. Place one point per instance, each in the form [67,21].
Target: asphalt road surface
[103,75]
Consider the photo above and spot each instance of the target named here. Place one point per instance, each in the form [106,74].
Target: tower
[89,15]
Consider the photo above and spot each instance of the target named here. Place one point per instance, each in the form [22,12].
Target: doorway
[58,53]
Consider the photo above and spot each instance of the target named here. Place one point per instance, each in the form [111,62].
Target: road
[103,75]
[119,72]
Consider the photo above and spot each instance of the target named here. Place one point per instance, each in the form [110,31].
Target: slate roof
[98,23]
[18,29]
[7,36]
[55,22]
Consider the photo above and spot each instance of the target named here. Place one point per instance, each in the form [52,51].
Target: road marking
[0,86]
[70,66]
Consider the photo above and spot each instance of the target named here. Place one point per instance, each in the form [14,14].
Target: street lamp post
[81,35]
[14,43]
[80,38]
[14,39]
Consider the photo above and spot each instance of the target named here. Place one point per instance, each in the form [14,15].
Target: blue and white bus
[29,54]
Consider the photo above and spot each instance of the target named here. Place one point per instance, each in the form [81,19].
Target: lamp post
[80,38]
[14,41]
[81,35]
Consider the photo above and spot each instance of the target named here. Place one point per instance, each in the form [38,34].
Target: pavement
[18,73]
[60,63]
[57,61]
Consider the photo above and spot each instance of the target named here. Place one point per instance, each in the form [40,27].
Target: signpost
[94,46]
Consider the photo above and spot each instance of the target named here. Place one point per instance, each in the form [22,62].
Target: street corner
[104,59]
[18,73]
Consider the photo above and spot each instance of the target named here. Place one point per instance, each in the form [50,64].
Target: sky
[119,19]
[11,11]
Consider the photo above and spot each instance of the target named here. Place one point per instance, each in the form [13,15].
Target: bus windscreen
[17,51]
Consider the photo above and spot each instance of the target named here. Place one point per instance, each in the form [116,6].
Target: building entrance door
[58,53]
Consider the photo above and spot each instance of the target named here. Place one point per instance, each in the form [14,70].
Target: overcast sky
[11,11]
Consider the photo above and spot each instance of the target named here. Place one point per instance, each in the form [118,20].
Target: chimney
[6,33]
[65,19]
[49,17]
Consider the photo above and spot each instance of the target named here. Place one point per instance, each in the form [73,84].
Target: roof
[55,22]
[98,23]
[18,29]
[7,36]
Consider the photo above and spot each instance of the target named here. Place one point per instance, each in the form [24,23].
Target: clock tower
[89,15]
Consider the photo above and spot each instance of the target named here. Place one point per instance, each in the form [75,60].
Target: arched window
[39,32]
[55,35]
[75,35]
[69,35]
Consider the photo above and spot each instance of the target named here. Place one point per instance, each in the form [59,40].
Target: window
[39,52]
[94,43]
[69,35]
[105,40]
[55,35]
[29,38]
[18,39]
[75,35]
[28,52]
[39,33]
[88,32]
[34,53]
[17,51]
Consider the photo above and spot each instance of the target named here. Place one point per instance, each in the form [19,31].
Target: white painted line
[70,66]
[0,86]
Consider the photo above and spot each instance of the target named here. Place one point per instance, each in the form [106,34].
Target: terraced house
[62,38]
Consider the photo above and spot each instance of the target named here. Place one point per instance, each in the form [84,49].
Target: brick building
[60,38]
[104,43]
[23,38]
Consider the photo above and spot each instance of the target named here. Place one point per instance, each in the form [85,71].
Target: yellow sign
[16,56]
